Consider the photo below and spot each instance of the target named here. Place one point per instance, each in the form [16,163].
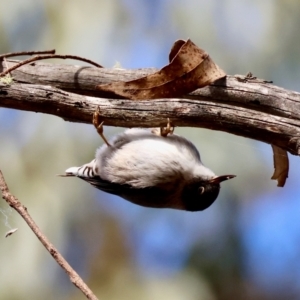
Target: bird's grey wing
[149,196]
[104,185]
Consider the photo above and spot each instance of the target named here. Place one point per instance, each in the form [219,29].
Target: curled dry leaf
[190,68]
[281,165]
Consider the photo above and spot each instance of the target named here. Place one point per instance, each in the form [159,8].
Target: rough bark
[253,109]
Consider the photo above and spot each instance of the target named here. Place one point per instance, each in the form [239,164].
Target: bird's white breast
[149,160]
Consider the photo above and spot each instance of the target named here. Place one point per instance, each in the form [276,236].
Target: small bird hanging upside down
[152,168]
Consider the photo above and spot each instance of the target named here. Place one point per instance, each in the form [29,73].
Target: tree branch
[253,109]
[22,210]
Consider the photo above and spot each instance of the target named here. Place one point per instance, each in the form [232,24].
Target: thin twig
[40,57]
[21,53]
[22,210]
[5,63]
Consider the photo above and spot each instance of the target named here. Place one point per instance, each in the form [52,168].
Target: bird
[151,168]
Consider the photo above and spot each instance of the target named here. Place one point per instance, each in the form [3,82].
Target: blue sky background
[248,240]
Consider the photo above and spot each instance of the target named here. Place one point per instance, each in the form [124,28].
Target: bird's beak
[221,178]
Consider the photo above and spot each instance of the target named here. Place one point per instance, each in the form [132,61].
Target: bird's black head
[199,195]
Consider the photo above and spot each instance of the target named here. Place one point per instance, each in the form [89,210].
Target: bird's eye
[201,190]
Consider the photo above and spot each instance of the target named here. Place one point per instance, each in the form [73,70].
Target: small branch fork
[39,55]
[21,53]
[22,210]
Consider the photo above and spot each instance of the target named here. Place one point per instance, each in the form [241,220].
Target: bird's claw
[99,125]
[164,131]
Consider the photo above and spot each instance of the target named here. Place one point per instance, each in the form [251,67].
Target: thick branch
[255,110]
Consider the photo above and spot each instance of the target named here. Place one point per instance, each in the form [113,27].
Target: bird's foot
[164,131]
[99,125]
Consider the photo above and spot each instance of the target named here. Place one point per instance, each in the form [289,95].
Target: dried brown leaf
[190,68]
[281,165]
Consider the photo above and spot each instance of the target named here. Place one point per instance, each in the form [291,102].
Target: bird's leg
[99,125]
[164,131]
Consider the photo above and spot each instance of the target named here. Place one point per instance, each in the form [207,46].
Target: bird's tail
[86,170]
